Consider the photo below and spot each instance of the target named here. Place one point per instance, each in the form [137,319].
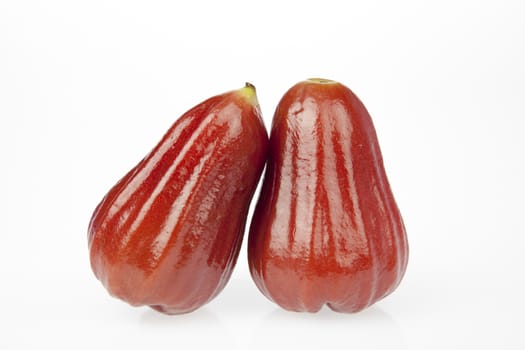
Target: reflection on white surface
[201,329]
[204,316]
[372,328]
[259,324]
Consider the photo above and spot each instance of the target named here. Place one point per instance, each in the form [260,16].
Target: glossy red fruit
[168,233]
[326,228]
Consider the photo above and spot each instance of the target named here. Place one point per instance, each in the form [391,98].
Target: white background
[88,88]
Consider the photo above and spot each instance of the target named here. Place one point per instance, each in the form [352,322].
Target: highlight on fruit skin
[168,233]
[326,229]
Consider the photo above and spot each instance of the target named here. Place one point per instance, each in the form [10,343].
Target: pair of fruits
[326,228]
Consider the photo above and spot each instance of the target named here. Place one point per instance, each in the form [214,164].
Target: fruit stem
[248,92]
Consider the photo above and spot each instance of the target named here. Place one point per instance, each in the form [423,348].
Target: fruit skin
[168,233]
[326,228]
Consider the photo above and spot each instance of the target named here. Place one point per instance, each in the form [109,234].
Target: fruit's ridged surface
[168,233]
[326,228]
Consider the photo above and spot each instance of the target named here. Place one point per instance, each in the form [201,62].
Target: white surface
[87,88]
